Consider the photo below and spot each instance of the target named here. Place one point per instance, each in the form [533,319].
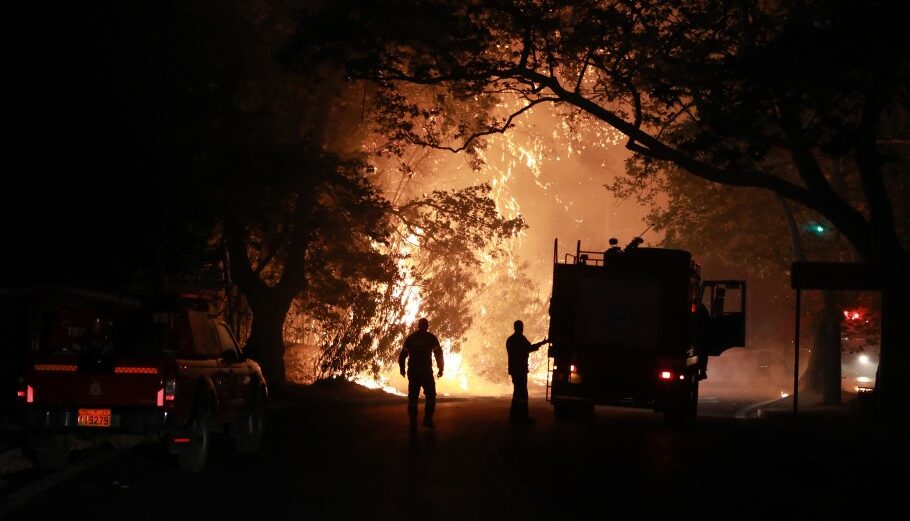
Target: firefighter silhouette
[518,348]
[634,243]
[419,349]
[614,250]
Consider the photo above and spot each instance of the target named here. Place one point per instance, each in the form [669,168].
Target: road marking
[28,492]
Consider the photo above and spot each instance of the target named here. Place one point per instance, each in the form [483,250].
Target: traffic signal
[819,229]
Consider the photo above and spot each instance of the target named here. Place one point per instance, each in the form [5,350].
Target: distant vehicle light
[29,394]
[864,359]
[573,369]
[784,394]
[682,377]
[181,440]
[160,401]
[666,375]
[20,394]
[863,379]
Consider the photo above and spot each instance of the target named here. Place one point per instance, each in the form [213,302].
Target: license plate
[94,418]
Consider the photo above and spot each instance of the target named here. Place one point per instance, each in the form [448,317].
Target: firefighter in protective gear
[419,349]
[518,348]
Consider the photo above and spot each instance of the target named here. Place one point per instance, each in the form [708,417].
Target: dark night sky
[87,109]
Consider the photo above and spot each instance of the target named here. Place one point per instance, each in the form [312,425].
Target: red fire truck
[635,328]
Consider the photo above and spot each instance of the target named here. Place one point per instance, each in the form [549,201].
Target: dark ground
[337,451]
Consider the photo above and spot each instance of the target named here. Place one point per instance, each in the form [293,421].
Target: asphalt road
[359,461]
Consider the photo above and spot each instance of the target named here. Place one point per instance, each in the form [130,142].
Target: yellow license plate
[94,418]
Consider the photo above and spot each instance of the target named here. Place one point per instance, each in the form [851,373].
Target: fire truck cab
[635,328]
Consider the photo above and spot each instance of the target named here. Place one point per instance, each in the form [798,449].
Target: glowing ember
[381,383]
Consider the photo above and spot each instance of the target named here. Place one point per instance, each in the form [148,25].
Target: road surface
[326,460]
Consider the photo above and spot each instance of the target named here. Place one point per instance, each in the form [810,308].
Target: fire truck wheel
[684,409]
[562,411]
[573,411]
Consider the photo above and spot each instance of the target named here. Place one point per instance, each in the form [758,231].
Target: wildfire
[526,164]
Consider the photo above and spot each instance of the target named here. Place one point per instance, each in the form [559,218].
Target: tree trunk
[892,384]
[822,377]
[266,343]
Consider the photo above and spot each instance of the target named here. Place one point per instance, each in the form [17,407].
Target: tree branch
[492,130]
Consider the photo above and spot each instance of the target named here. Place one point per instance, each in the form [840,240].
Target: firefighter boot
[412,414]
[428,414]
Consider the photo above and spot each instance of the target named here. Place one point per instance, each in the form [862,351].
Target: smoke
[755,373]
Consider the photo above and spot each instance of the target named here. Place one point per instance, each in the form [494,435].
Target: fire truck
[634,327]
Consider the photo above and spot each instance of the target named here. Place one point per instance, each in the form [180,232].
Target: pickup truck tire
[196,456]
[51,458]
[248,432]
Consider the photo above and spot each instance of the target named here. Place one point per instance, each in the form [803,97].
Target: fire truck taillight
[574,377]
[666,375]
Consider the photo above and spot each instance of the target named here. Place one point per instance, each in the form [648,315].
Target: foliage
[724,91]
[503,300]
[442,239]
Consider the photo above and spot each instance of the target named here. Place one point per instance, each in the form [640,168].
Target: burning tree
[290,184]
[719,90]
[439,242]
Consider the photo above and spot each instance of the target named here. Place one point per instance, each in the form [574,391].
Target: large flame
[543,170]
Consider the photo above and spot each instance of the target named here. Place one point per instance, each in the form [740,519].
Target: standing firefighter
[420,347]
[518,348]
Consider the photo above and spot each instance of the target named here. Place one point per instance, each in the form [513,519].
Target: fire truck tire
[684,410]
[562,411]
[248,432]
[573,411]
[196,456]
[51,458]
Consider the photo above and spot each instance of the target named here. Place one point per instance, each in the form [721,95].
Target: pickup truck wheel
[51,459]
[195,457]
[248,432]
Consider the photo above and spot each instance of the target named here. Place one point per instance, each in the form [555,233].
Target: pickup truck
[175,376]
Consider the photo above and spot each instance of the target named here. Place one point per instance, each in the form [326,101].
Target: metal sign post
[796,355]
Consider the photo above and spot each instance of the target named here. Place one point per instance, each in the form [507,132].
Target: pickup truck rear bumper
[140,420]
